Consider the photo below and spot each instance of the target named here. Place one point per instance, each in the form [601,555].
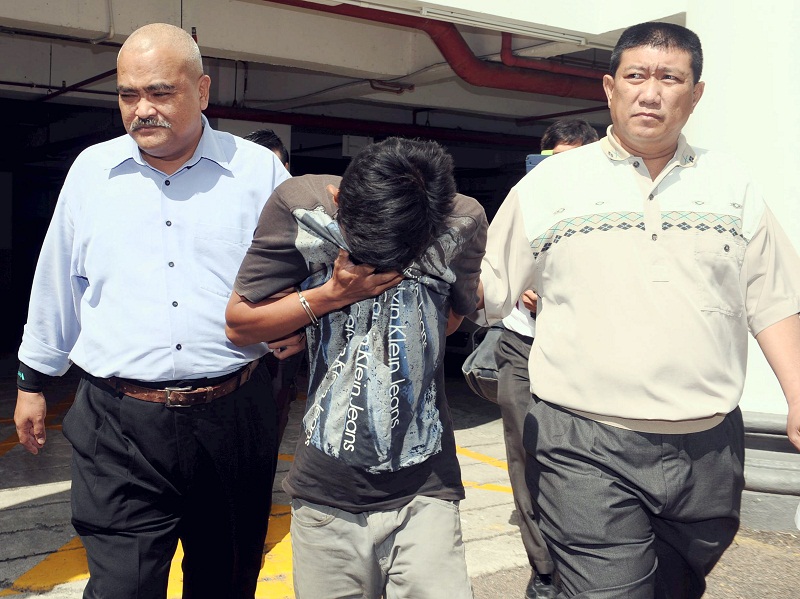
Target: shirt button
[169,223]
[727,248]
[171,264]
[179,347]
[650,197]
[636,164]
[654,237]
[175,304]
[166,182]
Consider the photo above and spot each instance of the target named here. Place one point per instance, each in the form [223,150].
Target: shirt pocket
[219,252]
[719,262]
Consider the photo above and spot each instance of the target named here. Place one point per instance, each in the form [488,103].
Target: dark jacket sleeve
[467,263]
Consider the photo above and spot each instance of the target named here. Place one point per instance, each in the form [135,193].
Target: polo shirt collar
[684,154]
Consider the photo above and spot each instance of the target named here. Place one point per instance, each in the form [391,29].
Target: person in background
[567,134]
[378,266]
[284,371]
[652,261]
[270,140]
[514,389]
[172,427]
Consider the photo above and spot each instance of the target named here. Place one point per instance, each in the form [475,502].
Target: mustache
[149,122]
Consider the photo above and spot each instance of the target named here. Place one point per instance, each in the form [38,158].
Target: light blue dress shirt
[137,267]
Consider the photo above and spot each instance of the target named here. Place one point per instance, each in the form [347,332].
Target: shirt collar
[684,154]
[207,148]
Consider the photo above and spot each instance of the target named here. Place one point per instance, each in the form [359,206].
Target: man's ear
[334,191]
[699,88]
[204,88]
[608,87]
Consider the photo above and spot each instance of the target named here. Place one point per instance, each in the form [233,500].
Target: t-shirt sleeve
[467,263]
[508,265]
[772,275]
[272,263]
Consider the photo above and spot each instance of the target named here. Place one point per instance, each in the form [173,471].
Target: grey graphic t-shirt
[375,413]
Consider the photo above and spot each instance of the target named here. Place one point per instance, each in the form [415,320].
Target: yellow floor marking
[486,486]
[275,579]
[482,458]
[8,444]
[68,564]
[486,460]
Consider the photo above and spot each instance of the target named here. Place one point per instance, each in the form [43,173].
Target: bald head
[162,36]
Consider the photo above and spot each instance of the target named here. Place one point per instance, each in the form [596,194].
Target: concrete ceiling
[315,65]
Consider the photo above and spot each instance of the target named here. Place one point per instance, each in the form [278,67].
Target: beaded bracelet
[309,312]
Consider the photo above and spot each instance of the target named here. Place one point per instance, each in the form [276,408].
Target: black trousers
[514,398]
[145,476]
[630,514]
[284,387]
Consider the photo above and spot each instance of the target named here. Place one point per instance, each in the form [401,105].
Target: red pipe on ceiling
[510,59]
[464,62]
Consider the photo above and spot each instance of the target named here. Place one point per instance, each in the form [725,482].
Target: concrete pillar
[749,108]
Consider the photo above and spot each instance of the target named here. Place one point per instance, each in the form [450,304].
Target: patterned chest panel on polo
[593,224]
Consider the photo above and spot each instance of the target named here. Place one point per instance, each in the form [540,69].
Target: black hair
[394,200]
[270,140]
[572,132]
[659,35]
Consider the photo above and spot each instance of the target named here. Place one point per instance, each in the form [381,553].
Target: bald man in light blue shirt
[173,427]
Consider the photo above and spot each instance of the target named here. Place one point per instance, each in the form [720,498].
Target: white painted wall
[748,108]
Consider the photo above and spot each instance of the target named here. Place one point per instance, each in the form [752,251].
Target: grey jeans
[633,515]
[415,552]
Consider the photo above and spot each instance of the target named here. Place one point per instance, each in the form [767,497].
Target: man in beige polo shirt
[653,260]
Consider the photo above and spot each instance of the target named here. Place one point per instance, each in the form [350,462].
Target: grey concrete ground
[38,549]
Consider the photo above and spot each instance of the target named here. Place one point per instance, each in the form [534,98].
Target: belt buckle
[168,393]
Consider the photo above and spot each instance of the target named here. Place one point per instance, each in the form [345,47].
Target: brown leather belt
[182,397]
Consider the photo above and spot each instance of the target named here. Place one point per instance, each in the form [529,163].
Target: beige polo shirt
[647,289]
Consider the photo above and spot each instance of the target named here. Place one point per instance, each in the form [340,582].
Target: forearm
[780,343]
[276,317]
